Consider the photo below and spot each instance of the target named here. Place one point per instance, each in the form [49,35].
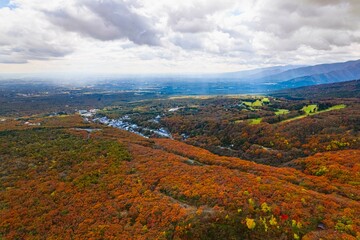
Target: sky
[172,36]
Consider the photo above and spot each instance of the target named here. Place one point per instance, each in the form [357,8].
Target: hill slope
[63,180]
[350,89]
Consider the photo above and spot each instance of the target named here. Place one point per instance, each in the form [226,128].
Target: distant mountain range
[257,73]
[298,76]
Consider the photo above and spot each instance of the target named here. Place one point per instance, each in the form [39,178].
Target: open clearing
[281,112]
[255,121]
[309,110]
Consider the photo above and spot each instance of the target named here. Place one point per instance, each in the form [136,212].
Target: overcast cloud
[141,36]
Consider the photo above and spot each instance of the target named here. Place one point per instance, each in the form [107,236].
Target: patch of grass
[239,121]
[255,121]
[311,111]
[281,112]
[249,104]
[257,103]
[265,100]
[310,108]
[336,107]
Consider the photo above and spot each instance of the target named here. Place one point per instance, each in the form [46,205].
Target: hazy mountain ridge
[292,76]
[349,73]
[348,89]
[258,73]
[311,70]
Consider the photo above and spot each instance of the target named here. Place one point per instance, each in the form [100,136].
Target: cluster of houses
[32,124]
[86,114]
[124,123]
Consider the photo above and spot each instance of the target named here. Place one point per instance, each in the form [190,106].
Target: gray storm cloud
[22,54]
[106,20]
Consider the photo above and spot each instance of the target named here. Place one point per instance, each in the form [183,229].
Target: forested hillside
[62,181]
[349,89]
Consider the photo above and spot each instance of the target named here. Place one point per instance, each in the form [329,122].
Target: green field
[255,121]
[249,104]
[310,108]
[281,112]
[336,107]
[265,100]
[258,102]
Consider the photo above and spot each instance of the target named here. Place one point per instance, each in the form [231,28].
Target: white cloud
[175,36]
[26,36]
